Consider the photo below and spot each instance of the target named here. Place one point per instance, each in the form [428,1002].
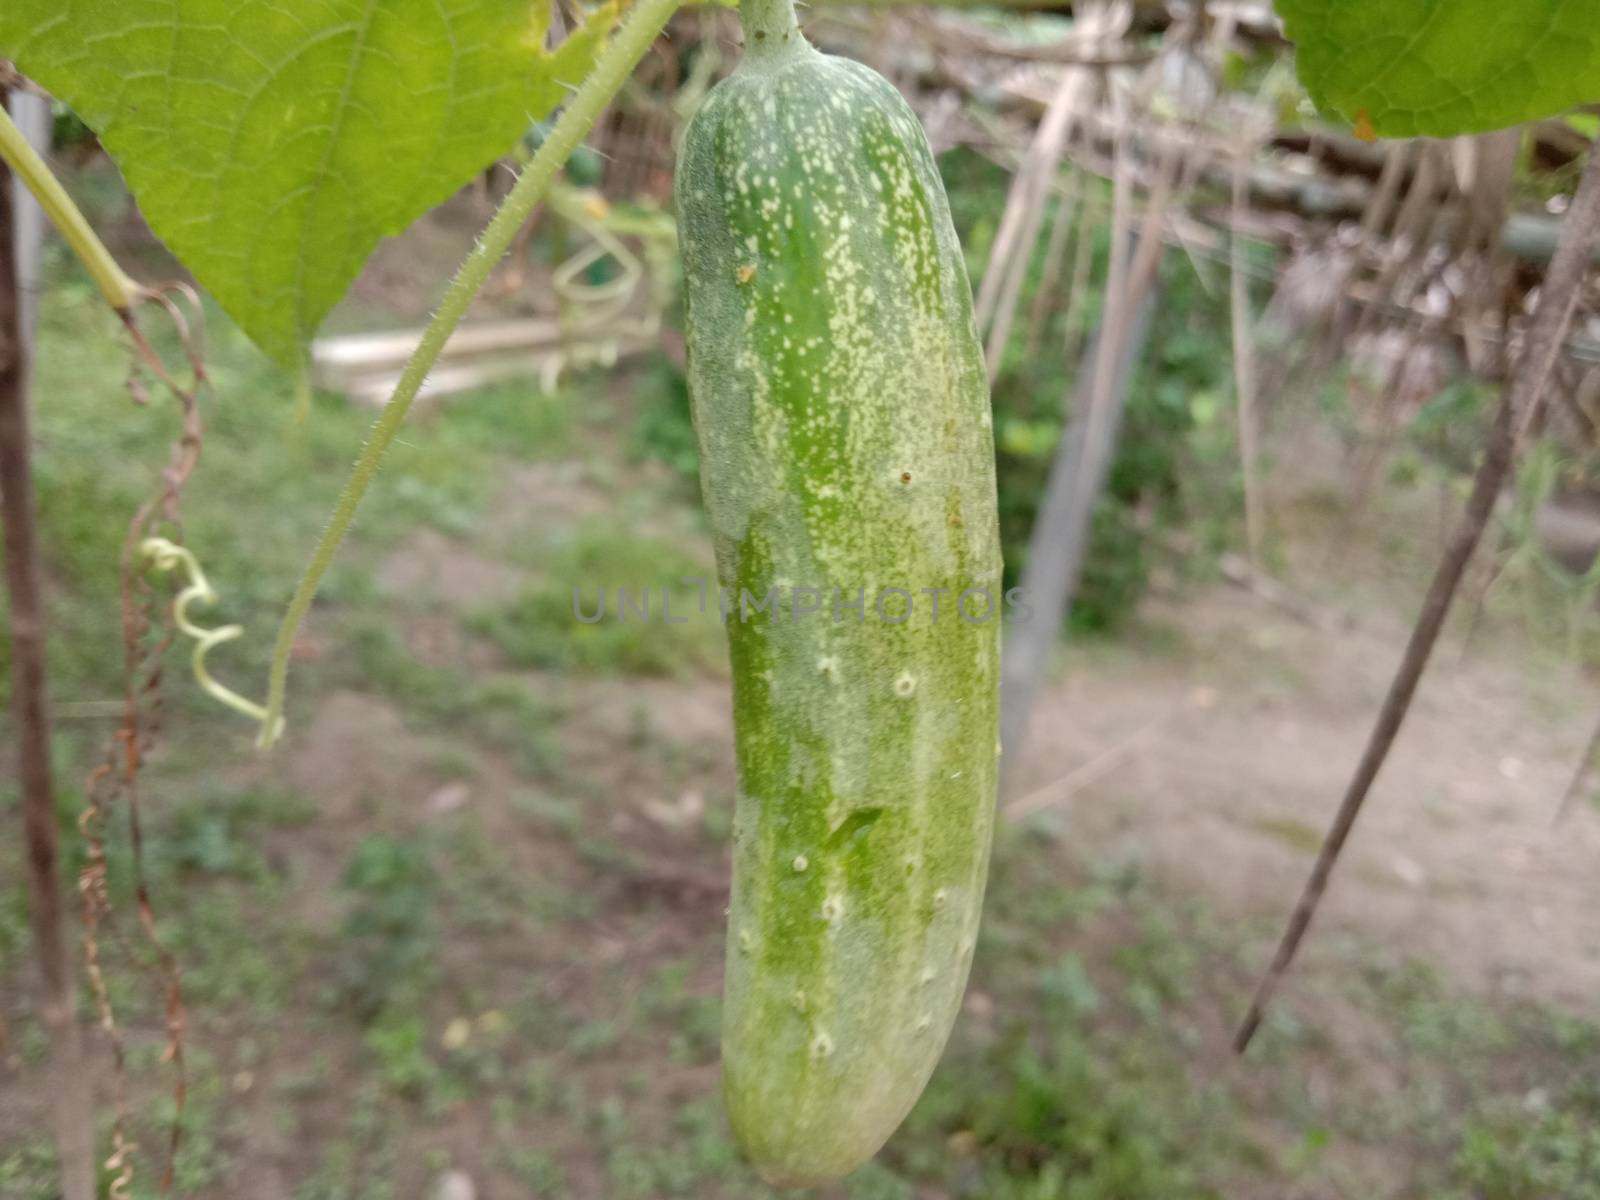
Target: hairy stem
[612,69]
[1524,396]
[114,283]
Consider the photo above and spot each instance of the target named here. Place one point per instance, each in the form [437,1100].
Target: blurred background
[460,936]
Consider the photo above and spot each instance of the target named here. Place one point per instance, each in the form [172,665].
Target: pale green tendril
[604,320]
[165,555]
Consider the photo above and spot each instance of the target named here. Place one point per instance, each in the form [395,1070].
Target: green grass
[203,838]
[1541,1146]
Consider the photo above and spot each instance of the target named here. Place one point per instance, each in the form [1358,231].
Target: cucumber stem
[771,31]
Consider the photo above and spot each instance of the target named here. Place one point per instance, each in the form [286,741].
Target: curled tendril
[165,555]
[605,322]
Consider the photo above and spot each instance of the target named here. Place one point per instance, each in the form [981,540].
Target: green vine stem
[610,72]
[115,285]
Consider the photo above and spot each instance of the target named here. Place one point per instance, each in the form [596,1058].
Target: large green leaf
[1442,67]
[272,143]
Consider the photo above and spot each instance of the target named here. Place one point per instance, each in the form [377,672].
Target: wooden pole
[19,521]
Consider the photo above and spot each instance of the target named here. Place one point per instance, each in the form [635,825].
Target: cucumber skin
[843,417]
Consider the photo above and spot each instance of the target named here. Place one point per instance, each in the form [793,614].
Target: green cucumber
[846,451]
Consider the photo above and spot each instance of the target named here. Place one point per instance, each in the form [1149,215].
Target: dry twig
[1523,398]
[1580,778]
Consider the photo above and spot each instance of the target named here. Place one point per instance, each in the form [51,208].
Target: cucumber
[846,450]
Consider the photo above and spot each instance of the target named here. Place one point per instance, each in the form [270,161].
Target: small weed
[387,936]
[213,835]
[593,1038]
[693,1019]
[538,1170]
[400,1048]
[28,1171]
[1067,990]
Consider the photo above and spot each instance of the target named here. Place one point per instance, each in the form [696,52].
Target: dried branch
[1026,201]
[1030,194]
[1523,398]
[1580,778]
[1055,254]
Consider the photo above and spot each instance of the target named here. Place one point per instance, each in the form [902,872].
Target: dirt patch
[1454,859]
[687,713]
[433,567]
[356,745]
[543,498]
